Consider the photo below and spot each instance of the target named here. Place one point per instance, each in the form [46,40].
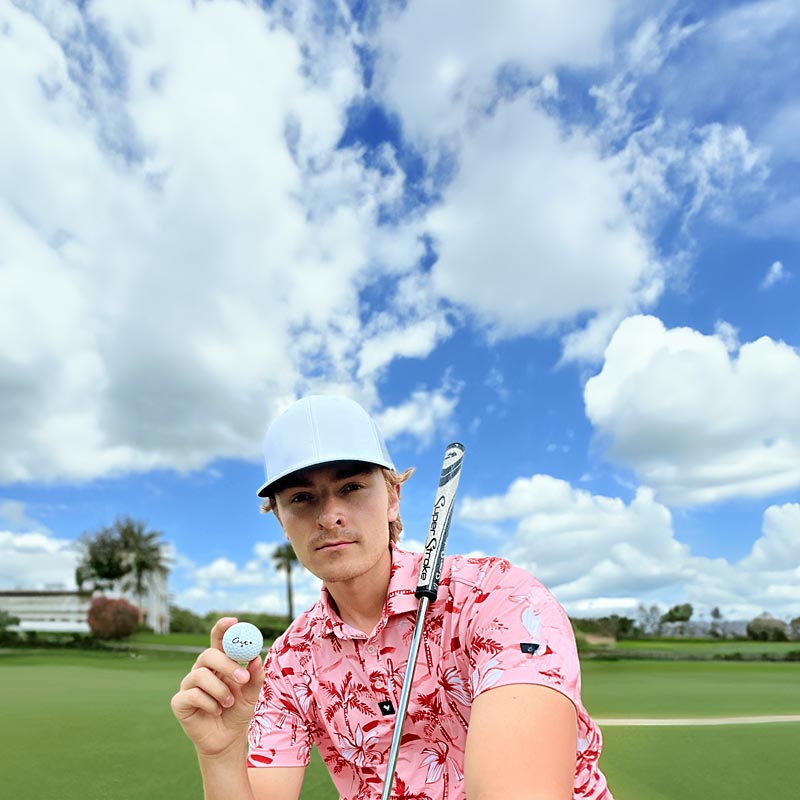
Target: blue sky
[565,234]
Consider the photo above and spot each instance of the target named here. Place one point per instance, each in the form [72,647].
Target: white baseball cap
[318,430]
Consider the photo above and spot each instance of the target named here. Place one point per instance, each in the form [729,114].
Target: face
[337,519]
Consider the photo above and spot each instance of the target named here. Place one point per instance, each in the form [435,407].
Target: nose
[330,515]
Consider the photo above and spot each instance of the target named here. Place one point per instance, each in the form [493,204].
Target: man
[495,711]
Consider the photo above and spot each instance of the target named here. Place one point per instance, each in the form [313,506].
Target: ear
[394,503]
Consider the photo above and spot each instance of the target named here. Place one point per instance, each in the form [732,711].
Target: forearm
[225,776]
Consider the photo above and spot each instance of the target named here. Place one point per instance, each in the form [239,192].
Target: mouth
[333,546]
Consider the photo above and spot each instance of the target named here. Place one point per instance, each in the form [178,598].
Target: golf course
[86,724]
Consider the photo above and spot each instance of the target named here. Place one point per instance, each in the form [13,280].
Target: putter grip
[431,567]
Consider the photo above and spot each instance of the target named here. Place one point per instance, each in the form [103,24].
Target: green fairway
[98,725]
[701,648]
[721,763]
[690,688]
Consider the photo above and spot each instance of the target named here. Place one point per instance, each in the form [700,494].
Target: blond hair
[392,478]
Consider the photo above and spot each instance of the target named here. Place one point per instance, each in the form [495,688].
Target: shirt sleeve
[518,633]
[279,734]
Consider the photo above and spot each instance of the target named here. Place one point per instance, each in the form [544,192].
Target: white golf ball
[242,641]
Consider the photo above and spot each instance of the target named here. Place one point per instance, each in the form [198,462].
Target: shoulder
[488,573]
[494,587]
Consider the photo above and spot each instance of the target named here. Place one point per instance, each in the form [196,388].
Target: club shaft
[427,589]
[408,681]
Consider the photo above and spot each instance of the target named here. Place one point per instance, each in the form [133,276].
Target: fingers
[214,684]
[188,701]
[218,631]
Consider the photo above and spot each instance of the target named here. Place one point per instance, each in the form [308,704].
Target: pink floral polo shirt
[327,684]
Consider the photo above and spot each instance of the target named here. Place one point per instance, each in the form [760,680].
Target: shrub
[181,620]
[765,628]
[112,619]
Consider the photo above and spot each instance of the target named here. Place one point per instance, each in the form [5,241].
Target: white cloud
[600,555]
[225,586]
[779,547]
[727,334]
[439,59]
[412,328]
[697,422]
[543,215]
[582,545]
[36,560]
[180,256]
[775,274]
[14,514]
[425,413]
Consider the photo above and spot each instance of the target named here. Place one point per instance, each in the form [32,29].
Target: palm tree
[283,558]
[125,551]
[101,562]
[141,553]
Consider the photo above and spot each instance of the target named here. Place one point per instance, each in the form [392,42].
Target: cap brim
[264,491]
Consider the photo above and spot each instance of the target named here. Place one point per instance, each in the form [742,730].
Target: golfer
[495,710]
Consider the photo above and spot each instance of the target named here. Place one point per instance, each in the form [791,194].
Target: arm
[215,705]
[521,743]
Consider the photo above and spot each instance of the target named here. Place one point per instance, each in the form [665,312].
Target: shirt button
[371,648]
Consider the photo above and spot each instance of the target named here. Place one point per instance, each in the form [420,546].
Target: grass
[181,639]
[690,688]
[705,647]
[98,724]
[725,763]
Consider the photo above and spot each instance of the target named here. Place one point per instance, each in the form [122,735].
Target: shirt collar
[400,598]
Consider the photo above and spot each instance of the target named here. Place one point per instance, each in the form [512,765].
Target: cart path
[691,721]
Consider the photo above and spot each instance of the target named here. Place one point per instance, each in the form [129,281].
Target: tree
[7,621]
[284,558]
[716,622]
[766,628]
[794,628]
[181,620]
[141,554]
[124,551]
[101,563]
[649,620]
[679,613]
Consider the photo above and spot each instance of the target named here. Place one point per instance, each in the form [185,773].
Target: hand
[216,699]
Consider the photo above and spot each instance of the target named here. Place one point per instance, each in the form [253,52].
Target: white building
[49,610]
[61,610]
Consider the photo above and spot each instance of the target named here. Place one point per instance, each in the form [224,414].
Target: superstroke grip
[431,567]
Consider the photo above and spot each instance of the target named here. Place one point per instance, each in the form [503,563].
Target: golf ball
[242,642]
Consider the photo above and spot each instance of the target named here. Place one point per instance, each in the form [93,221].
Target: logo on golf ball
[242,641]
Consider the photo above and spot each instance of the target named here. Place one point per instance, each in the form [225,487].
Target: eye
[352,487]
[300,497]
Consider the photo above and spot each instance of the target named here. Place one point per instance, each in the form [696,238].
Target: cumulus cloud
[421,416]
[583,545]
[600,555]
[184,242]
[556,237]
[695,421]
[36,560]
[439,60]
[225,586]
